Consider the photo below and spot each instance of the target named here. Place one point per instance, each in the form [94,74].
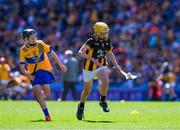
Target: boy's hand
[118,68]
[96,62]
[128,75]
[31,77]
[63,68]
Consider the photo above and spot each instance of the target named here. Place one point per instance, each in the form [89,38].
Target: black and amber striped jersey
[97,50]
[169,77]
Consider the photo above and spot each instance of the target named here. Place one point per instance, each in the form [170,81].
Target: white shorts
[170,85]
[88,75]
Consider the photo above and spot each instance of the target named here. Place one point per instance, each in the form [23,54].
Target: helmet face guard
[27,33]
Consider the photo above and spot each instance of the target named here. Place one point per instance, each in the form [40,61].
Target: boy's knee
[105,80]
[47,96]
[104,77]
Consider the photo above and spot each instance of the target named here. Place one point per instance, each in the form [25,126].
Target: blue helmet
[28,32]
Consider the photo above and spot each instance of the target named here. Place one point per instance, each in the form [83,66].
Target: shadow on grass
[40,120]
[91,121]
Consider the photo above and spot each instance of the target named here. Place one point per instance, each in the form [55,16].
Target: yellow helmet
[100,27]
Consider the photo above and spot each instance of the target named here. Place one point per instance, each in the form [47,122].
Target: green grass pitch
[27,115]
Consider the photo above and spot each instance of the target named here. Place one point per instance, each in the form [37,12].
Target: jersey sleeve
[47,48]
[109,46]
[89,42]
[22,57]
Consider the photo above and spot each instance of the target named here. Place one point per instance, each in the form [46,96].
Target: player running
[4,78]
[95,65]
[167,80]
[39,70]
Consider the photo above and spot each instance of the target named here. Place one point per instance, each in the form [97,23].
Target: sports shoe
[104,106]
[80,113]
[48,118]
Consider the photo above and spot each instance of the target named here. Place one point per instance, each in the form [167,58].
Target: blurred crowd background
[144,33]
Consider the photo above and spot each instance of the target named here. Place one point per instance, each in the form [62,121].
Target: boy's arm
[22,65]
[82,52]
[55,57]
[24,72]
[113,60]
[119,69]
[159,77]
[115,64]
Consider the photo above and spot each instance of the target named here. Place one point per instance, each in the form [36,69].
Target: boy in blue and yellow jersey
[94,52]
[4,77]
[39,70]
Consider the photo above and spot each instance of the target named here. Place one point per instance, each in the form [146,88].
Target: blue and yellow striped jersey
[29,55]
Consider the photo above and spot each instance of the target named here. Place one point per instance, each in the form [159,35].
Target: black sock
[81,105]
[102,98]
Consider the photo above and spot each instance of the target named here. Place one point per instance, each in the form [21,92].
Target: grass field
[27,115]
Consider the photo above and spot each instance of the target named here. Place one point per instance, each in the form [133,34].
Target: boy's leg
[46,91]
[40,99]
[84,95]
[103,75]
[86,90]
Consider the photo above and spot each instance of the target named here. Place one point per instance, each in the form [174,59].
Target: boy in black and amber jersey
[95,65]
[97,50]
